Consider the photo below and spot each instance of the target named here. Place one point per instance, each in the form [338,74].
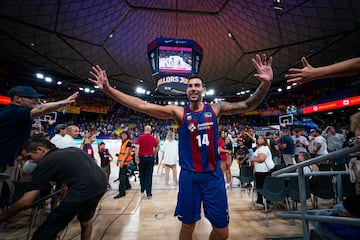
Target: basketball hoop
[48,118]
[50,121]
[286,120]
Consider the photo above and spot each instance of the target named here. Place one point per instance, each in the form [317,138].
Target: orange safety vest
[123,152]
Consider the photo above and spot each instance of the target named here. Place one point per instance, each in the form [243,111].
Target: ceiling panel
[70,36]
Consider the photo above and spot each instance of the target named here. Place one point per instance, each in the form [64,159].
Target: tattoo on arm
[258,96]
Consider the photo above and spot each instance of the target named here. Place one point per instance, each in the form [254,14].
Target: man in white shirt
[60,131]
[320,144]
[72,132]
[300,143]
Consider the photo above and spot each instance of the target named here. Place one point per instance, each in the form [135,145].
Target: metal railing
[306,215]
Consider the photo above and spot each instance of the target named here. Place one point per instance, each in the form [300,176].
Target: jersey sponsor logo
[189,117]
[206,125]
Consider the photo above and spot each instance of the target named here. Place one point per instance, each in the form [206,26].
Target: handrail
[318,159]
[319,218]
[321,173]
[303,214]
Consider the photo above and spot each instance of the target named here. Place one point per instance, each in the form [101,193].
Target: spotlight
[277,5]
[40,76]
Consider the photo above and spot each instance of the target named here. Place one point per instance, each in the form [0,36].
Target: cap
[312,130]
[24,91]
[60,127]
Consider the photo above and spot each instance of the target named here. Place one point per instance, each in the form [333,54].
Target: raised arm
[309,73]
[265,75]
[52,106]
[135,103]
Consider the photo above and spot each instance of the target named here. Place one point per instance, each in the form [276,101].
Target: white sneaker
[260,205]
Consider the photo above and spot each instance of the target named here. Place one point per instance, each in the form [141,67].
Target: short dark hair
[33,143]
[202,80]
[352,205]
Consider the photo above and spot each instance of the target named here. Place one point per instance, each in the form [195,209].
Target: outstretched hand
[72,98]
[264,69]
[301,75]
[99,78]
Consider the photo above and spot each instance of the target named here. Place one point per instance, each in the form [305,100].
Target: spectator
[303,156]
[58,139]
[85,180]
[72,132]
[105,158]
[170,151]
[241,153]
[300,143]
[354,165]
[334,231]
[308,73]
[335,141]
[263,163]
[145,150]
[274,148]
[16,121]
[86,144]
[287,147]
[320,145]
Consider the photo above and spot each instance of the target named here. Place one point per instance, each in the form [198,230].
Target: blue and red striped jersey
[198,140]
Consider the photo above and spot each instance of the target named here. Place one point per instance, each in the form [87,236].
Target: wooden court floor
[134,217]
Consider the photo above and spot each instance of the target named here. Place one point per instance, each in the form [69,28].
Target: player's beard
[195,100]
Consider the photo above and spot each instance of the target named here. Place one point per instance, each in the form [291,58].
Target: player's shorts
[207,188]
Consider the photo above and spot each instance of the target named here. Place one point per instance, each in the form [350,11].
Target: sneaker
[109,187]
[260,205]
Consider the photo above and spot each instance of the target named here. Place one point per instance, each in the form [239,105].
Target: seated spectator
[349,208]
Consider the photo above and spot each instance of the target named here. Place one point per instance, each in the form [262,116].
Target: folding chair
[246,176]
[273,190]
[19,190]
[322,187]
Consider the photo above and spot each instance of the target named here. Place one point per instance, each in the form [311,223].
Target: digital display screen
[175,59]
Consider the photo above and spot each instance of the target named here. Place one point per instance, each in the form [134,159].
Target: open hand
[301,75]
[264,69]
[99,78]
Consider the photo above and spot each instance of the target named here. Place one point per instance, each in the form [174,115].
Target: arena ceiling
[69,36]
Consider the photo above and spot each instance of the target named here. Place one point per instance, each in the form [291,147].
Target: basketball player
[201,179]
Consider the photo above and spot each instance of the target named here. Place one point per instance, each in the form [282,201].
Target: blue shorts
[208,188]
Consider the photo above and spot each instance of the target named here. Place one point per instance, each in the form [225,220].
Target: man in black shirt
[86,184]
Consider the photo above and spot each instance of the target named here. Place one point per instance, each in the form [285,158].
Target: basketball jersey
[198,140]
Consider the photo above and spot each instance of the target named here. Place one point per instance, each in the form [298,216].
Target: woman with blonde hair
[86,142]
[170,157]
